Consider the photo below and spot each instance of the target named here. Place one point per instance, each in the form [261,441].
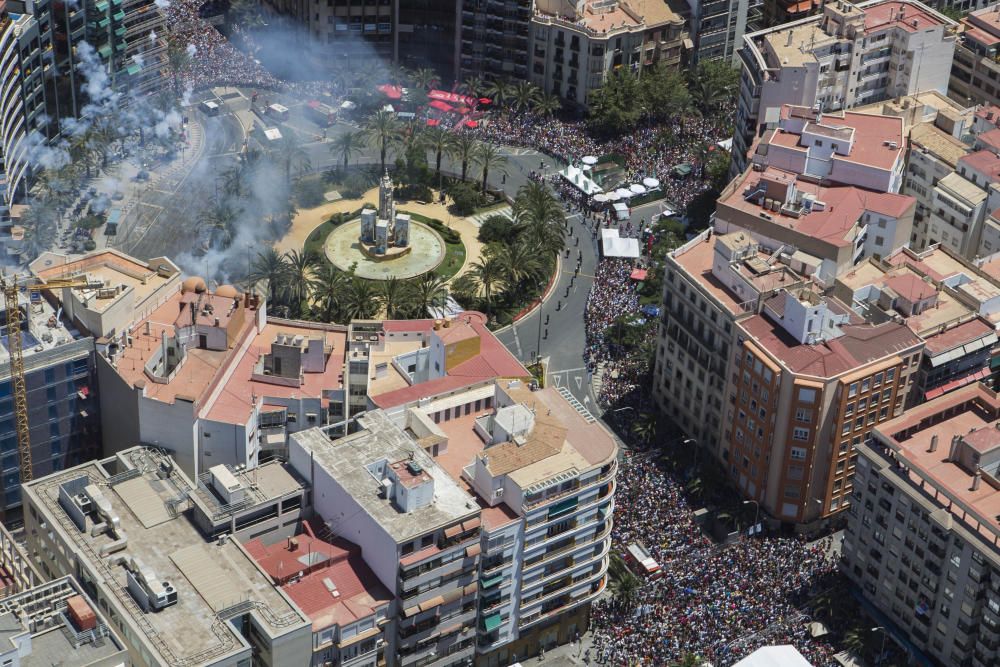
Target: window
[878,379]
[807,395]
[800,434]
[853,390]
[865,384]
[803,415]
[890,375]
[798,454]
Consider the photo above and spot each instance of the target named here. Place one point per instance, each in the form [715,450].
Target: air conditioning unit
[498,493]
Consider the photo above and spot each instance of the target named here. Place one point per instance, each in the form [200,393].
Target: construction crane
[11,288]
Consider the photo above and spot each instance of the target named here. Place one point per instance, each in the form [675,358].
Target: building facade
[975,68]
[494,39]
[922,539]
[849,55]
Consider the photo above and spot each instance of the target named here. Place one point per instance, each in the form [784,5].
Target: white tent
[621,211]
[600,198]
[775,656]
[589,159]
[651,182]
[637,189]
[580,180]
[612,245]
[624,193]
[613,196]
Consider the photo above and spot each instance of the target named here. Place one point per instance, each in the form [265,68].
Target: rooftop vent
[414,468]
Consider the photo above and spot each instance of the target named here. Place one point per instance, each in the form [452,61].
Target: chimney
[293,543]
[148,330]
[953,451]
[977,479]
[934,443]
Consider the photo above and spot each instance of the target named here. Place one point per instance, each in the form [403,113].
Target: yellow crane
[11,288]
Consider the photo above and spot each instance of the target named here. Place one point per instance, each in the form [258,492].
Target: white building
[847,56]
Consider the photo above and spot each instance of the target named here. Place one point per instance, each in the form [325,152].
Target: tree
[424,78]
[499,90]
[664,93]
[613,106]
[524,96]
[442,142]
[497,229]
[220,217]
[644,428]
[361,300]
[178,62]
[488,156]
[39,222]
[465,151]
[327,290]
[622,583]
[383,131]
[81,151]
[711,83]
[271,268]
[245,13]
[398,74]
[346,145]
[428,290]
[300,269]
[487,273]
[519,263]
[393,297]
[540,217]
[547,105]
[291,155]
[472,86]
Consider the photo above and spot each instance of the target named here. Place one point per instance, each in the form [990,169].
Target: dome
[227,292]
[194,284]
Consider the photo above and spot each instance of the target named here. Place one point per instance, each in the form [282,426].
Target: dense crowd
[717,602]
[213,59]
[652,150]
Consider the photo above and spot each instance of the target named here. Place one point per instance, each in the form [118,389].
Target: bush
[90,222]
[355,185]
[449,235]
[497,229]
[309,192]
[415,192]
[89,245]
[466,197]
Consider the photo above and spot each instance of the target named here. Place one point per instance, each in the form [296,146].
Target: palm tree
[487,273]
[428,290]
[519,262]
[392,293]
[327,290]
[524,96]
[382,131]
[361,300]
[81,151]
[233,184]
[472,86]
[39,222]
[178,62]
[425,78]
[465,151]
[644,428]
[442,142]
[270,267]
[220,217]
[547,105]
[622,583]
[346,145]
[540,216]
[854,641]
[488,157]
[291,154]
[499,90]
[398,74]
[301,267]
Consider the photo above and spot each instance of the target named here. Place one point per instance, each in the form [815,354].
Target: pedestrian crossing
[518,152]
[479,218]
[571,399]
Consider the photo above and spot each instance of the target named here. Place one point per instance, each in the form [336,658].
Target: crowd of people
[652,150]
[717,602]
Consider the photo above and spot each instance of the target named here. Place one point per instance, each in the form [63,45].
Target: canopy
[600,198]
[650,182]
[453,98]
[472,123]
[589,159]
[433,122]
[624,193]
[347,105]
[637,189]
[683,169]
[580,180]
[613,196]
[621,210]
[484,100]
[638,274]
[612,245]
[441,106]
[392,92]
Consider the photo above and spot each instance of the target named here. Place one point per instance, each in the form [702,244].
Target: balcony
[548,556]
[608,471]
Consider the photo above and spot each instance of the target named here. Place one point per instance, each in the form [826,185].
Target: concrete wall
[172,426]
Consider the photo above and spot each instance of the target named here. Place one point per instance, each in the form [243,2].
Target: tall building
[975,68]
[849,55]
[428,35]
[494,39]
[717,28]
[153,549]
[352,32]
[780,12]
[573,49]
[922,530]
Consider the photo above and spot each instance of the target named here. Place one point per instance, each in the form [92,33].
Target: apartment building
[947,302]
[55,622]
[922,530]
[130,528]
[717,28]
[418,530]
[352,32]
[61,380]
[849,55]
[780,12]
[494,39]
[130,39]
[975,67]
[573,48]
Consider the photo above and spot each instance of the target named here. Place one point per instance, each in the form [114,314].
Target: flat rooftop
[870,132]
[938,142]
[346,461]
[268,481]
[979,286]
[305,567]
[234,400]
[696,257]
[959,412]
[115,269]
[209,577]
[906,16]
[591,16]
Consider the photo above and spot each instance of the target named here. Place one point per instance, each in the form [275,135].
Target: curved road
[171,229]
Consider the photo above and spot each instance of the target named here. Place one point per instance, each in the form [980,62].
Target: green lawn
[454,251]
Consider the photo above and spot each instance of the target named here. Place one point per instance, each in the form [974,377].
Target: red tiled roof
[886,15]
[991,139]
[910,287]
[966,332]
[985,162]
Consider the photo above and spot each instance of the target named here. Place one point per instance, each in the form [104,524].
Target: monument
[384,232]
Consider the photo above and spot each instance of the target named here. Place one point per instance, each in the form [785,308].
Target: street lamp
[881,652]
[756,514]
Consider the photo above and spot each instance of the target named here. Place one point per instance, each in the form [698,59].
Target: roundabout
[424,253]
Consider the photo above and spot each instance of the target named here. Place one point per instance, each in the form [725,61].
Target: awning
[491,581]
[452,531]
[684,169]
[638,274]
[433,122]
[484,100]
[435,601]
[470,588]
[392,92]
[981,374]
[471,524]
[472,123]
[440,106]
[492,622]
[563,507]
[473,550]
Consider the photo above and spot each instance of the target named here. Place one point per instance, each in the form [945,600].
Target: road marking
[579,381]
[517,342]
[581,275]
[144,203]
[557,379]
